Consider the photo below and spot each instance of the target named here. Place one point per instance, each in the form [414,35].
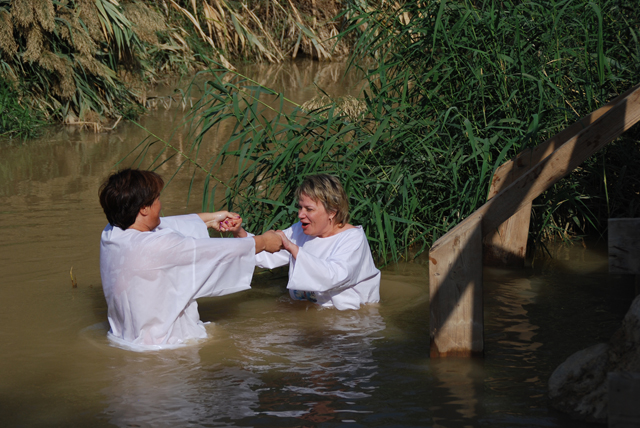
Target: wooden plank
[507,245]
[455,289]
[562,161]
[624,245]
[624,399]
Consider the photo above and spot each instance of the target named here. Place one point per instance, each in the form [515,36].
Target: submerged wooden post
[455,290]
[624,247]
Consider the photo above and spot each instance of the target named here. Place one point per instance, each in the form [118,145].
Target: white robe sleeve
[188,225]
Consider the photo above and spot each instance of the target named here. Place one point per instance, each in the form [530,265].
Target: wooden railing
[456,259]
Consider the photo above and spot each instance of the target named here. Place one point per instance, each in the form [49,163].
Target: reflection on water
[270,362]
[167,389]
[277,359]
[460,383]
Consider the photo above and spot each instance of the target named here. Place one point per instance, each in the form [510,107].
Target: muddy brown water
[269,362]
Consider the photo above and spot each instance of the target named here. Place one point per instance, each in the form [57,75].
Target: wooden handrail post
[455,290]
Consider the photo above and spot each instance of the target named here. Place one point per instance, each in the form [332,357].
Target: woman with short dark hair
[154,268]
[124,193]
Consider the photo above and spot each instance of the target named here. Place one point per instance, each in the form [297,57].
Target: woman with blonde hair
[330,261]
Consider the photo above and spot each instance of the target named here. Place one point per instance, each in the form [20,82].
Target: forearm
[288,245]
[209,218]
[240,233]
[261,244]
[293,249]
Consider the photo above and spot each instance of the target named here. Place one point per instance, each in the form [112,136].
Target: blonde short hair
[326,189]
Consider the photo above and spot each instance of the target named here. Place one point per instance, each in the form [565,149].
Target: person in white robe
[330,261]
[153,269]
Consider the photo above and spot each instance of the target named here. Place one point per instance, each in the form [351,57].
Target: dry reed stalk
[147,22]
[265,33]
[7,41]
[196,24]
[348,106]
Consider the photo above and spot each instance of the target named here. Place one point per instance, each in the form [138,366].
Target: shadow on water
[269,362]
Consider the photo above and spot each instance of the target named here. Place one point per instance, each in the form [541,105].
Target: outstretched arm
[288,245]
[222,221]
[269,241]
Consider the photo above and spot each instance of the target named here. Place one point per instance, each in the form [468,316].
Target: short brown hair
[326,189]
[125,192]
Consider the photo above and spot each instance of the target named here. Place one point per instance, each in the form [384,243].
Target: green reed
[16,119]
[455,88]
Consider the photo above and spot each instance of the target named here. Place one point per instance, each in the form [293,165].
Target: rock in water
[579,385]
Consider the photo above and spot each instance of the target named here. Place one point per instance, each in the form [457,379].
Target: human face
[315,219]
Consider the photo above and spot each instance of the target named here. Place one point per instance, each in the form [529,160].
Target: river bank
[88,64]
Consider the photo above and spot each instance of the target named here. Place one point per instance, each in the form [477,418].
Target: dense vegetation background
[454,88]
[91,61]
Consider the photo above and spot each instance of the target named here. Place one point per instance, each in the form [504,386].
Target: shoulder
[190,225]
[351,239]
[352,233]
[354,238]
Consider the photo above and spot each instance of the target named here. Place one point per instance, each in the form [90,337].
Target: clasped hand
[226,221]
[222,221]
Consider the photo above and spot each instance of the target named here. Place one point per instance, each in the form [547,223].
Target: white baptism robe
[151,280]
[334,271]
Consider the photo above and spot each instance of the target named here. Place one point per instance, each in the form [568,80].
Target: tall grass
[455,88]
[71,59]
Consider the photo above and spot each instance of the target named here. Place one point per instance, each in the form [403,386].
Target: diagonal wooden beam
[513,169]
[619,118]
[507,244]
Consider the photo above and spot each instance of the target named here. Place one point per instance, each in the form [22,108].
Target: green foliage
[455,88]
[16,120]
[510,75]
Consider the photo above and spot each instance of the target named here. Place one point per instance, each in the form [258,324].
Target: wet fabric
[151,280]
[334,271]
